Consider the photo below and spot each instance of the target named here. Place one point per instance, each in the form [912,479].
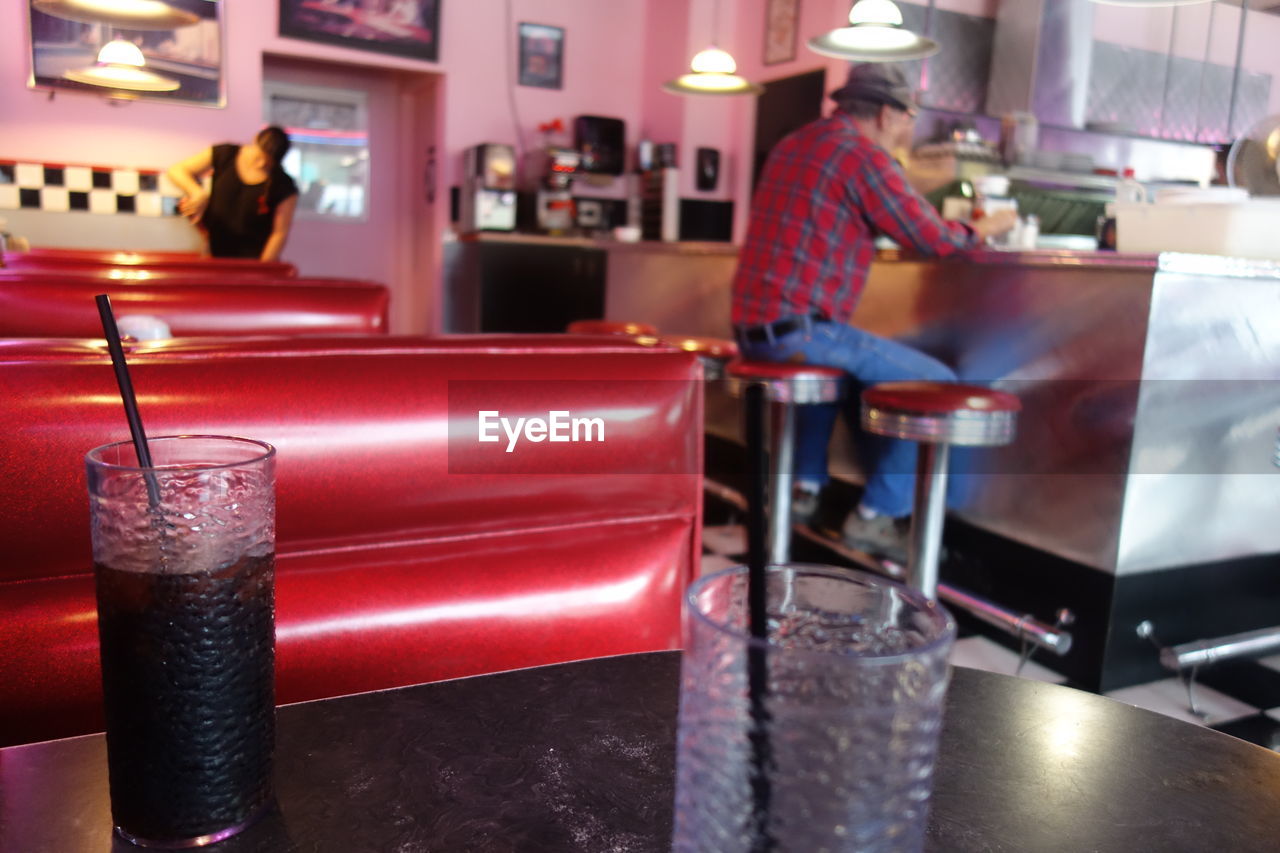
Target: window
[329,155]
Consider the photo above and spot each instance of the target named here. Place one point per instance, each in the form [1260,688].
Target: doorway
[357,134]
[786,105]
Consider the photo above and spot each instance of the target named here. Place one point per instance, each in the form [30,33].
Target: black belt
[768,331]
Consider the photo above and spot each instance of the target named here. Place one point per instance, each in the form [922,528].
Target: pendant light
[125,14]
[875,34]
[121,66]
[714,72]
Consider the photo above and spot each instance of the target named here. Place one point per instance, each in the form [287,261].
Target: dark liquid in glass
[188,666]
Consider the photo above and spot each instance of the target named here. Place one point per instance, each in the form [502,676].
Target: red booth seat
[65,307]
[408,551]
[89,259]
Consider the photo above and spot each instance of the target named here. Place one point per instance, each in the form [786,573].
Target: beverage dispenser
[488,201]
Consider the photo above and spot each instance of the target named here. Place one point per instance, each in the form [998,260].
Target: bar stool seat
[937,415]
[785,387]
[609,327]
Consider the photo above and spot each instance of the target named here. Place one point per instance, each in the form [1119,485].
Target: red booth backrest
[407,550]
[65,307]
[89,259]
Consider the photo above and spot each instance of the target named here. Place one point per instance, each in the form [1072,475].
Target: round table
[580,757]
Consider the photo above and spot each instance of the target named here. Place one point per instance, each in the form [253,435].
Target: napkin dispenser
[602,144]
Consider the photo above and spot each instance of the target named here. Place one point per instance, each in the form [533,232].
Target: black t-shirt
[240,216]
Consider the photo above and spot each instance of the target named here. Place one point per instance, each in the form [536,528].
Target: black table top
[580,757]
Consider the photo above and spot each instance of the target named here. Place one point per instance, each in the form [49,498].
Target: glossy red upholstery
[64,307]
[782,370]
[609,327]
[407,550]
[90,259]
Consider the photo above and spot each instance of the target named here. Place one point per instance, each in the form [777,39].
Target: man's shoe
[804,505]
[881,536]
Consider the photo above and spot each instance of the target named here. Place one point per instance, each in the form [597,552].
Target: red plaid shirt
[825,194]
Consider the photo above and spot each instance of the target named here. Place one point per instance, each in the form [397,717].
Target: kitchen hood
[1040,60]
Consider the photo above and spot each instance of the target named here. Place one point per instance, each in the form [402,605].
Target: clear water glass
[856,674]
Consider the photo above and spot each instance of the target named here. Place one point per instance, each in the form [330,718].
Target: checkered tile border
[58,188]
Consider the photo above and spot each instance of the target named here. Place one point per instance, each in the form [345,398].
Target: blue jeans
[869,359]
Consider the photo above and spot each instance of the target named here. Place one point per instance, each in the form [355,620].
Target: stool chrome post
[937,415]
[786,386]
[925,546]
[781,464]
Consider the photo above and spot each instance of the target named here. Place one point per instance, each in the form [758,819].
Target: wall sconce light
[714,72]
[121,66]
[125,14]
[875,34]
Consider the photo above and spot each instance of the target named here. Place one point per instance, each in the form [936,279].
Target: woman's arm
[280,229]
[187,174]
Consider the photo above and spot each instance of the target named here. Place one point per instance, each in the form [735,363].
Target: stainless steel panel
[1127,87]
[1149,386]
[1013,56]
[957,77]
[1065,333]
[1062,66]
[1202,485]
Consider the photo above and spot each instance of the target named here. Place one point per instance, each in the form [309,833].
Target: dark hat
[878,82]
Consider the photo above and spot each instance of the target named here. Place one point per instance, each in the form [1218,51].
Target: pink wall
[603,70]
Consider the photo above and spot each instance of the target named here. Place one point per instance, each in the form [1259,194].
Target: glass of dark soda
[184,563]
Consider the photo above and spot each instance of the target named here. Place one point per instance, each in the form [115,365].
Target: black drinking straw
[112,333]
[757,665]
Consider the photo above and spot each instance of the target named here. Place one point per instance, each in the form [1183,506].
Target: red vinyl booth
[407,550]
[38,306]
[91,259]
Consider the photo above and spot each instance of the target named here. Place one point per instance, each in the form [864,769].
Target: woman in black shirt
[248,209]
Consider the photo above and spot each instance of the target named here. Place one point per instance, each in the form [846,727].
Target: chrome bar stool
[785,387]
[937,415]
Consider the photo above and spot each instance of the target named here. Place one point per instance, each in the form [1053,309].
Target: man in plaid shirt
[827,191]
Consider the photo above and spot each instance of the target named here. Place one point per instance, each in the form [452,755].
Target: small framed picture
[541,56]
[781,19]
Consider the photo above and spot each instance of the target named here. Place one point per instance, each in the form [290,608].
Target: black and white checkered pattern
[60,188]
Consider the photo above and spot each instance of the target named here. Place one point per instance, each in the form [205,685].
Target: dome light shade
[874,34]
[121,66]
[714,73]
[883,13]
[121,52]
[713,60]
[126,14]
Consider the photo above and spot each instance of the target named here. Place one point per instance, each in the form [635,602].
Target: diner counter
[581,757]
[1148,383]
[681,247]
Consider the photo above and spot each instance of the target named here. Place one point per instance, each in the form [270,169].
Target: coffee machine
[488,201]
[552,170]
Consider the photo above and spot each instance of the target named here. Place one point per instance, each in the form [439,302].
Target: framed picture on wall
[400,27]
[541,56]
[781,21]
[183,64]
